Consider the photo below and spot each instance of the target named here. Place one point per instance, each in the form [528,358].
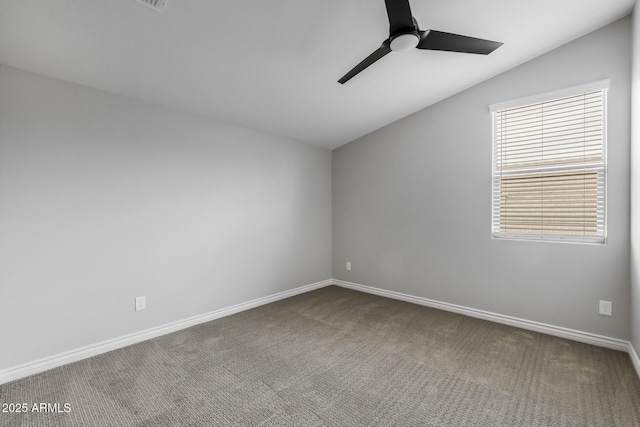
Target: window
[549,166]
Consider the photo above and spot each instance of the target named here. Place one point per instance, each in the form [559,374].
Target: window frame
[601,85]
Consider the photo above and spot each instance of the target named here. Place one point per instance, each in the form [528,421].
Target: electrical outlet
[348,266]
[141,303]
[606,308]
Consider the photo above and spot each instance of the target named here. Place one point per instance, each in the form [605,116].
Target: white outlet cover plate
[141,303]
[606,308]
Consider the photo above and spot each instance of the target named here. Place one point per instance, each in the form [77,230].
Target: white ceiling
[273,65]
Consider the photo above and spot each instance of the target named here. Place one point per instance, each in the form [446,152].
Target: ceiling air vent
[157,5]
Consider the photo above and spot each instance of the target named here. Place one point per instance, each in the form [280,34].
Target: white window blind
[549,169]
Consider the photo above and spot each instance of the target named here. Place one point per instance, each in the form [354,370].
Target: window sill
[600,241]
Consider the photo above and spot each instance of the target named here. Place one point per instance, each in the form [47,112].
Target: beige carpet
[338,357]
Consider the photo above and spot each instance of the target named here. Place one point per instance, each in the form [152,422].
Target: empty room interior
[320,213]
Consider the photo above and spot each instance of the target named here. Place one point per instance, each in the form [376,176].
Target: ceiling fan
[404,35]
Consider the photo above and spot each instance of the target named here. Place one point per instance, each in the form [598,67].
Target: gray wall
[635,184]
[103,198]
[412,202]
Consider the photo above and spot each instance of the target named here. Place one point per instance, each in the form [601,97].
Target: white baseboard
[54,361]
[634,358]
[572,334]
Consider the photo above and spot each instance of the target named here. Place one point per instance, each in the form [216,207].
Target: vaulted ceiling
[273,65]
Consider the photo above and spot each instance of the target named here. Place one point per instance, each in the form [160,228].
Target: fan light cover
[404,42]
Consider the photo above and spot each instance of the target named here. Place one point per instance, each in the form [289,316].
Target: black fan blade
[437,40]
[382,51]
[400,18]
